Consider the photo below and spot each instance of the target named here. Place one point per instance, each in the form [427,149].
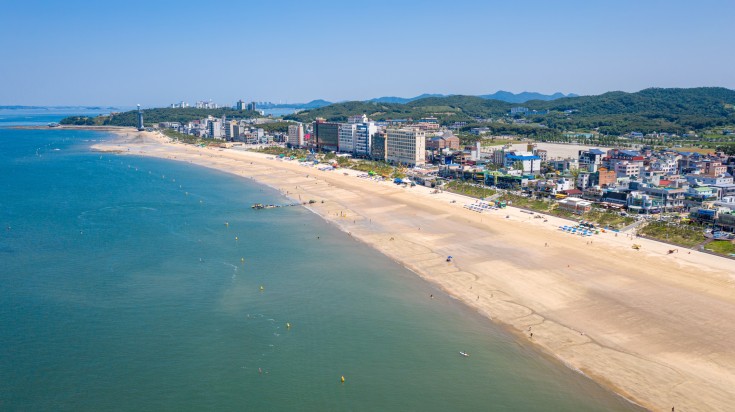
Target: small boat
[465,354]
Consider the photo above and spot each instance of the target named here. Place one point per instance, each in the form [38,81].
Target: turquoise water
[122,288]
[41,116]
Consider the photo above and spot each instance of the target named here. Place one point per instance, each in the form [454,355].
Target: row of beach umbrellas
[576,230]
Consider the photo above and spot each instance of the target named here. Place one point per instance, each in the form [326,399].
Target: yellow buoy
[236,238]
[288,325]
[343,379]
[262,288]
[227,224]
[242,260]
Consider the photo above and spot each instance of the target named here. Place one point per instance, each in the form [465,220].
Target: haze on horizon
[156,53]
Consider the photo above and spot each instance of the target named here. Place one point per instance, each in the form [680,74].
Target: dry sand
[658,329]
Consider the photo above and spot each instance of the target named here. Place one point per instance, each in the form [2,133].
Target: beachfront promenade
[654,327]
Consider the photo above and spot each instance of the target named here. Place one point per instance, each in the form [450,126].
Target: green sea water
[123,288]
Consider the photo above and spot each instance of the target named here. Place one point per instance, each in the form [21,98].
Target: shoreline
[116,129]
[653,328]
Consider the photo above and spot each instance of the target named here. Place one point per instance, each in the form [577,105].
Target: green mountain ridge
[674,110]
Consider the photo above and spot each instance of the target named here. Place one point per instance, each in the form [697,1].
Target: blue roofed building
[527,162]
[591,159]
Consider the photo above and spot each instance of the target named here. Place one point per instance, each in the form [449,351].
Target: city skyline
[84,53]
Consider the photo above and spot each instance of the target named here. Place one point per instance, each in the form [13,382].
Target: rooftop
[517,157]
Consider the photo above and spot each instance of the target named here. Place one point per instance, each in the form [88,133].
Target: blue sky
[157,52]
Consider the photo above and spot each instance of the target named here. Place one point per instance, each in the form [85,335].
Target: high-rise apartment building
[296,135]
[232,130]
[347,137]
[406,146]
[214,129]
[378,145]
[326,135]
[363,138]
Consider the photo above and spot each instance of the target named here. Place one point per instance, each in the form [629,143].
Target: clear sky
[156,52]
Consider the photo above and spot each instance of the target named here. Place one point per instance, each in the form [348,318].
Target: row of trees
[158,115]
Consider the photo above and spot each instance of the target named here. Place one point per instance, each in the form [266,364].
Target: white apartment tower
[296,135]
[363,137]
[346,141]
[406,146]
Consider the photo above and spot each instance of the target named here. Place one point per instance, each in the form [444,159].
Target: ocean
[130,283]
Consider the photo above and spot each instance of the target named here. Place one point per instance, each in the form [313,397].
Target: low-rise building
[606,177]
[575,205]
[714,168]
[564,165]
[701,193]
[727,202]
[446,141]
[671,199]
[527,162]
[643,203]
[428,123]
[590,159]
[627,169]
[724,190]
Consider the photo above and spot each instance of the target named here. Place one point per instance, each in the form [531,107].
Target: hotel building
[406,146]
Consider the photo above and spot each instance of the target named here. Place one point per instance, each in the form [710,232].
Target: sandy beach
[656,328]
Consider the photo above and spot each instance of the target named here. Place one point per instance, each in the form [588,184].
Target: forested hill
[158,115]
[663,110]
